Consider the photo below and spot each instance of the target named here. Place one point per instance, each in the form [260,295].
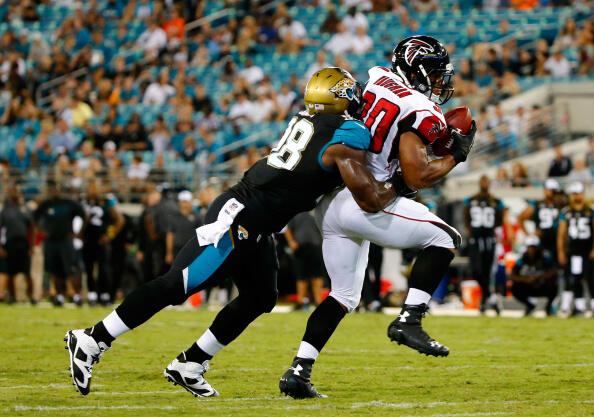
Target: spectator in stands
[286,98]
[534,275]
[557,65]
[175,27]
[519,175]
[182,226]
[253,74]
[134,136]
[84,161]
[158,92]
[330,24]
[525,66]
[567,36]
[39,49]
[483,78]
[190,150]
[362,42]
[19,156]
[561,165]
[158,173]
[138,170]
[580,172]
[316,66]
[354,19]
[16,224]
[342,41]
[296,30]
[143,9]
[160,137]
[62,136]
[241,111]
[152,40]
[267,33]
[44,155]
[414,28]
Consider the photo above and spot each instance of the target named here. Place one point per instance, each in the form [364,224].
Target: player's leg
[345,260]
[408,224]
[88,255]
[104,276]
[255,272]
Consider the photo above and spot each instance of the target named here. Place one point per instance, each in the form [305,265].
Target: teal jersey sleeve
[532,203]
[352,133]
[499,204]
[563,215]
[466,201]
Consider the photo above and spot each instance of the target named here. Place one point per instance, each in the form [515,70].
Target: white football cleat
[189,375]
[84,351]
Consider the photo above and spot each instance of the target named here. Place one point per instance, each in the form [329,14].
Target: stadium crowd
[86,127]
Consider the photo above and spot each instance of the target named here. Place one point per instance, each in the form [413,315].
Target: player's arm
[371,195]
[525,215]
[169,240]
[467,216]
[561,232]
[418,172]
[500,214]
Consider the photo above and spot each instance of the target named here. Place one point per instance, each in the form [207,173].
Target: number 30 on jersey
[287,153]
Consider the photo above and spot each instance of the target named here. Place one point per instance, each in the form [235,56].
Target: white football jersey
[391,109]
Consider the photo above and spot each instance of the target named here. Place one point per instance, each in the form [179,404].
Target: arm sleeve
[563,215]
[425,124]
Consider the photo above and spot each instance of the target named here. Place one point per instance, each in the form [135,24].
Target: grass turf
[527,367]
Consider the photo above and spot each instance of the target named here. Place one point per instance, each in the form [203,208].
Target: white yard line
[49,386]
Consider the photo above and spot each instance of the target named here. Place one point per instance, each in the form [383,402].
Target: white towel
[210,234]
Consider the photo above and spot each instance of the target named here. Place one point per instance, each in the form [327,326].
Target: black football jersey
[485,215]
[545,217]
[579,229]
[292,177]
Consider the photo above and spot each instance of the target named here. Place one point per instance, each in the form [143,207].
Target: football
[459,119]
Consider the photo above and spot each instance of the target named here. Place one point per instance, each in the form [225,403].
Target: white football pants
[347,230]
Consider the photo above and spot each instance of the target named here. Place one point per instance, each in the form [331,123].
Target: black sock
[429,268]
[322,323]
[100,334]
[195,354]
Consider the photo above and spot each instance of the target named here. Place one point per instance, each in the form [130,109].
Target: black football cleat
[407,330]
[295,382]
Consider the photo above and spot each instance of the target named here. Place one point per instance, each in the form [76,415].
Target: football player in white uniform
[401,109]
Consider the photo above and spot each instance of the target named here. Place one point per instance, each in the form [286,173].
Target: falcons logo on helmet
[415,47]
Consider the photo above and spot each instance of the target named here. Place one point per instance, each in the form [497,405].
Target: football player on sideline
[322,147]
[401,109]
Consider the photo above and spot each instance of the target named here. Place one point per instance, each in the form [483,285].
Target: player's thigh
[255,271]
[345,259]
[403,224]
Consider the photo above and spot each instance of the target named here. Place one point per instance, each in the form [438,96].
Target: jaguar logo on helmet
[415,47]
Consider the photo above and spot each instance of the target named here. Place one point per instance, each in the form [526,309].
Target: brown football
[459,119]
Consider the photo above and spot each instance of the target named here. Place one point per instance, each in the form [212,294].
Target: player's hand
[463,143]
[140,256]
[400,186]
[592,254]
[2,253]
[562,259]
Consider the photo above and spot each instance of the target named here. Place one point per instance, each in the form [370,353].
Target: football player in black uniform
[574,247]
[483,214]
[545,215]
[102,216]
[322,147]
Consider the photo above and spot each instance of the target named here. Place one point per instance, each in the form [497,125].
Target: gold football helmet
[333,90]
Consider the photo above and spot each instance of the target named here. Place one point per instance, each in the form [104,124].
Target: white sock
[114,325]
[307,351]
[580,304]
[592,304]
[416,297]
[92,296]
[209,343]
[566,298]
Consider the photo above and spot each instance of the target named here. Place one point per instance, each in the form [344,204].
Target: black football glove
[400,186]
[463,143]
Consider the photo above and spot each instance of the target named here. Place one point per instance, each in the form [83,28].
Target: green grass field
[499,367]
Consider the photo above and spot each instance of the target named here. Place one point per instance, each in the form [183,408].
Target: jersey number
[482,217]
[382,115]
[579,228]
[547,218]
[287,153]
